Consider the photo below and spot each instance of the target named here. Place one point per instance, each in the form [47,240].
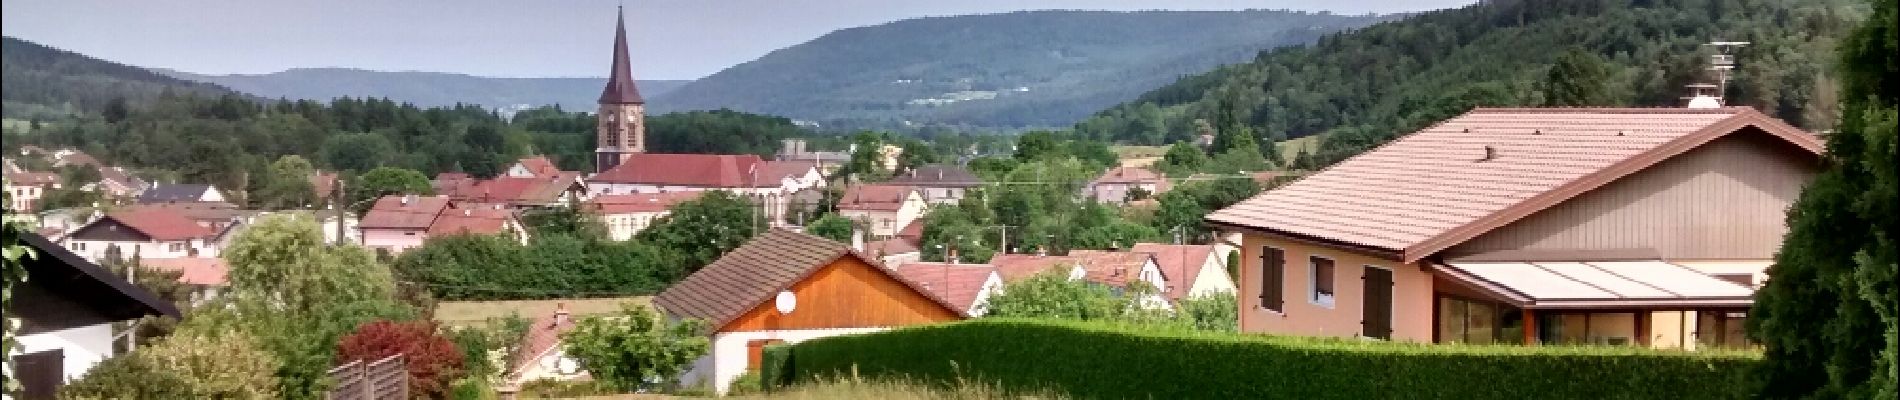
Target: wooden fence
[383,379]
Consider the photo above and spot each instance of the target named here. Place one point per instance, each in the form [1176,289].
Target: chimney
[560,314]
[953,256]
[408,198]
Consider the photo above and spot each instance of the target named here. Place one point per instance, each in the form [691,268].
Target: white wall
[624,225]
[93,250]
[728,358]
[1213,278]
[83,346]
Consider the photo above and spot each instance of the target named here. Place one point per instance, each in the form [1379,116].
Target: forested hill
[1364,87]
[44,81]
[1022,69]
[426,89]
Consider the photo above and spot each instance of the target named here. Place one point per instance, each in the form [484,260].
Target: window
[1272,278]
[176,247]
[1478,322]
[1320,281]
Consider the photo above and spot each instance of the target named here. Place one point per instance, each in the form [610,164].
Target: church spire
[620,87]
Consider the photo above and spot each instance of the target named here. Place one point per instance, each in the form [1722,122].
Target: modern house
[784,286]
[883,210]
[627,214]
[145,232]
[1194,269]
[1115,185]
[964,285]
[179,193]
[939,183]
[1565,225]
[65,312]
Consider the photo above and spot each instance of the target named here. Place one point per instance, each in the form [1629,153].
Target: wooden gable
[846,293]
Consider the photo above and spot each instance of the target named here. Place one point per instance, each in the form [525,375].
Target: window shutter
[1272,278]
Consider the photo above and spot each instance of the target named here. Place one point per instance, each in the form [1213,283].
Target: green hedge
[775,367]
[1097,360]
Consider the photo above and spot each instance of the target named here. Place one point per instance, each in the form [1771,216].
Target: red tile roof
[26,178]
[1470,174]
[888,247]
[638,202]
[1017,267]
[957,283]
[478,221]
[874,197]
[1180,263]
[1130,175]
[1114,268]
[753,273]
[542,189]
[323,183]
[162,224]
[207,271]
[543,335]
[539,166]
[404,212]
[774,171]
[913,232]
[696,170]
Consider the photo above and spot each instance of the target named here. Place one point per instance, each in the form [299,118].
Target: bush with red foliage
[433,360]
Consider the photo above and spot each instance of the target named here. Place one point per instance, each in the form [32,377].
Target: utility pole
[336,205]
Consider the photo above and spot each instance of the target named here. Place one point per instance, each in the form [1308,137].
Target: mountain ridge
[423,88]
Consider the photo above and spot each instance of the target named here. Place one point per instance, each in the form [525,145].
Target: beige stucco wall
[1411,294]
[1723,201]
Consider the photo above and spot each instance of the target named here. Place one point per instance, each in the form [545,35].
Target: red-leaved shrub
[433,360]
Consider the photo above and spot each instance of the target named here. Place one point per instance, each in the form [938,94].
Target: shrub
[562,389]
[775,363]
[744,384]
[433,361]
[228,366]
[1103,360]
[628,350]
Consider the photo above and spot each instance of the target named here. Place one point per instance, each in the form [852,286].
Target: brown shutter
[40,374]
[1272,278]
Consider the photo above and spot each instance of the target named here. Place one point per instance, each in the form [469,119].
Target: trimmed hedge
[775,367]
[1101,361]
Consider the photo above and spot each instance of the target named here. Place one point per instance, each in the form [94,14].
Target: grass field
[1290,148]
[466,313]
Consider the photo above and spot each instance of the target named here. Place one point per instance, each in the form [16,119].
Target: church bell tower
[621,130]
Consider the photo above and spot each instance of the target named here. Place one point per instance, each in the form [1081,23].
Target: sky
[669,39]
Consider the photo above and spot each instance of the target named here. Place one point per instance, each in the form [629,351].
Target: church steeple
[620,86]
[622,129]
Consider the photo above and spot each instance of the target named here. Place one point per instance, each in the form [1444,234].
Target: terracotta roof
[539,166]
[874,197]
[1017,267]
[542,189]
[207,271]
[1180,263]
[957,283]
[887,247]
[913,232]
[201,211]
[620,88]
[1468,175]
[1130,175]
[479,221]
[323,182]
[1114,268]
[28,178]
[753,273]
[696,170]
[543,335]
[775,171]
[391,212]
[938,175]
[638,202]
[162,224]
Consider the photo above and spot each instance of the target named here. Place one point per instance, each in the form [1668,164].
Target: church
[622,164]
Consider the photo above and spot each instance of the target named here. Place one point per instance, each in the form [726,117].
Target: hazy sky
[671,39]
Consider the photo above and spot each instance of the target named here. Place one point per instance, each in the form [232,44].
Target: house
[627,214]
[1560,225]
[784,286]
[1115,185]
[769,184]
[532,167]
[894,251]
[540,355]
[24,189]
[939,183]
[1194,269]
[400,222]
[964,285]
[1018,267]
[175,193]
[883,209]
[208,276]
[149,233]
[65,315]
[325,184]
[796,150]
[531,182]
[1112,269]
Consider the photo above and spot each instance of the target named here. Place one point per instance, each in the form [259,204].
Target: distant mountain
[44,81]
[1022,69]
[426,89]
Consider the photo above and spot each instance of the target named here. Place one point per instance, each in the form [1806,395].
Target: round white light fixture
[786,302]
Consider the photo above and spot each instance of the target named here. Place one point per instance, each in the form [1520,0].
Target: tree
[568,220]
[636,346]
[12,273]
[1579,78]
[1182,159]
[704,228]
[384,181]
[288,185]
[116,110]
[358,151]
[229,365]
[433,361]
[833,227]
[867,159]
[1216,311]
[1053,295]
[1827,316]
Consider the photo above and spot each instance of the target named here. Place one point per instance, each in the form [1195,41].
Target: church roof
[620,87]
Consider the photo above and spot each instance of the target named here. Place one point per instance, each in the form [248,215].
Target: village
[1631,246]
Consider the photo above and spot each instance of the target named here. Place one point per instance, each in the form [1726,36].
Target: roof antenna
[1489,153]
